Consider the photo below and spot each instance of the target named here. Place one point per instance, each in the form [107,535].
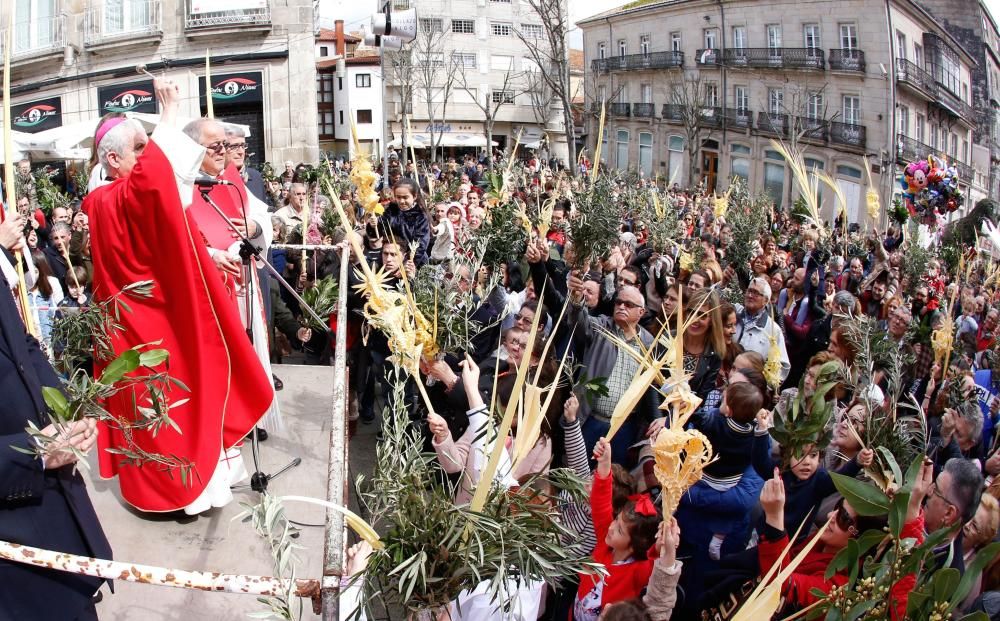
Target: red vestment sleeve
[140,231]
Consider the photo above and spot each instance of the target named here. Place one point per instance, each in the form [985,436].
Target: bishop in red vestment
[140,230]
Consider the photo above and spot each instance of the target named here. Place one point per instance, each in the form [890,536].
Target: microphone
[204,181]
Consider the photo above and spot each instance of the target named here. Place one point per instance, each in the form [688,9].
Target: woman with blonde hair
[704,340]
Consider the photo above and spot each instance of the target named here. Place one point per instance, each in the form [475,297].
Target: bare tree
[490,101]
[551,55]
[398,70]
[688,102]
[541,96]
[595,85]
[434,77]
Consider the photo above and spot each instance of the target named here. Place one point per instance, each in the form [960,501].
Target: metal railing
[916,77]
[639,62]
[909,149]
[847,59]
[221,19]
[811,128]
[37,36]
[848,134]
[811,58]
[620,109]
[954,103]
[132,18]
[772,123]
[709,58]
[673,112]
[966,173]
[643,110]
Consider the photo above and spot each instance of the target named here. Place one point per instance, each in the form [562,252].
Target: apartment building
[352,92]
[481,63]
[844,80]
[73,61]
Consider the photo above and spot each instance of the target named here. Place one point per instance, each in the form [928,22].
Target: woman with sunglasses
[844,524]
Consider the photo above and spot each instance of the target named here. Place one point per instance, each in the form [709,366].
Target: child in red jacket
[624,544]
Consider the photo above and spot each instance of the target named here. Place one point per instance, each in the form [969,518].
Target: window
[364,116]
[604,144]
[499,62]
[739,37]
[340,84]
[774,36]
[919,128]
[120,16]
[502,1]
[675,41]
[341,115]
[324,50]
[813,163]
[621,159]
[948,71]
[324,88]
[814,107]
[432,59]
[711,38]
[602,50]
[849,36]
[740,167]
[325,121]
[852,110]
[644,49]
[325,105]
[602,93]
[774,181]
[812,36]
[918,55]
[741,97]
[903,121]
[954,145]
[646,154]
[363,80]
[528,65]
[851,190]
[532,31]
[501,29]
[502,97]
[900,45]
[622,47]
[463,26]
[37,26]
[464,59]
[431,24]
[739,148]
[675,152]
[647,93]
[711,94]
[775,100]
[934,137]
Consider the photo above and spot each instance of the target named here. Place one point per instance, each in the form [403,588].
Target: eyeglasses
[520,317]
[755,292]
[844,520]
[627,304]
[216,147]
[622,282]
[937,492]
[236,146]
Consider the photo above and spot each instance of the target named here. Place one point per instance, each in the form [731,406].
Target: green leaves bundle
[803,419]
[322,298]
[595,227]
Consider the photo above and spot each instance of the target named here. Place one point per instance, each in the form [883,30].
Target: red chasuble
[228,198]
[139,231]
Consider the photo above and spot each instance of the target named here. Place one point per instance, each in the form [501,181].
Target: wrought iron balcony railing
[811,58]
[910,74]
[910,149]
[772,123]
[643,110]
[639,62]
[112,21]
[812,129]
[954,104]
[223,19]
[709,58]
[848,134]
[673,112]
[847,60]
[37,37]
[620,109]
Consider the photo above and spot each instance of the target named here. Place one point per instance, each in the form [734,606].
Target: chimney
[339,25]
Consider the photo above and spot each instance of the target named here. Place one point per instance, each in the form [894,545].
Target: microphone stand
[258,480]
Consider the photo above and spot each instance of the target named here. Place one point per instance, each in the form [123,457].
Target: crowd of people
[788,328]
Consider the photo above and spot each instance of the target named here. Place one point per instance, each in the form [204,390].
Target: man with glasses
[952,501]
[756,328]
[236,154]
[601,357]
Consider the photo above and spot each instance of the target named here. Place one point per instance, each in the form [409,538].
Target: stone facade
[823,74]
[87,48]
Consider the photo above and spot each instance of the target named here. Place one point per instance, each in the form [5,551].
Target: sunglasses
[216,147]
[627,304]
[844,520]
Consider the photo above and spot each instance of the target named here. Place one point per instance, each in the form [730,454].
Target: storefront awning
[447,139]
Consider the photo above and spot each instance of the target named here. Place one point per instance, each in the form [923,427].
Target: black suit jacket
[58,264]
[44,508]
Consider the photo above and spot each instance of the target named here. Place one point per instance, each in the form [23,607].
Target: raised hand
[772,501]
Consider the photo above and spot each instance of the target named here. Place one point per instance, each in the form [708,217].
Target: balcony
[909,149]
[811,128]
[673,113]
[639,62]
[772,123]
[847,60]
[643,110]
[808,58]
[237,20]
[112,25]
[848,134]
[954,105]
[966,173]
[731,118]
[620,109]
[918,80]
[709,58]
[36,39]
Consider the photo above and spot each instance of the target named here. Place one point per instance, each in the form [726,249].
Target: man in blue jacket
[43,502]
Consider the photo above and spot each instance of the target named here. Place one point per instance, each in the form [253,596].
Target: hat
[458,206]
